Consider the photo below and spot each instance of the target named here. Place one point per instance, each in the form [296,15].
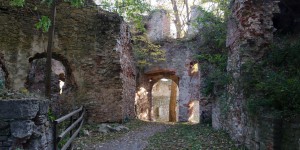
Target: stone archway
[144,101]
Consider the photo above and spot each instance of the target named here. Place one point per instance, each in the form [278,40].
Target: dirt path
[133,140]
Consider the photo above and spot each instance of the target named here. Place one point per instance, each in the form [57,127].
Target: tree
[177,19]
[47,24]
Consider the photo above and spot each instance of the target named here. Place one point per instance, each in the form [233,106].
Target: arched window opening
[36,76]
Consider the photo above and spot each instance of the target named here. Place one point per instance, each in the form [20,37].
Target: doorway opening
[165,93]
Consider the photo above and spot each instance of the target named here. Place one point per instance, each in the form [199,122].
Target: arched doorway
[165,93]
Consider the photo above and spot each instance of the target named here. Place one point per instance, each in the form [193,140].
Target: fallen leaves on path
[191,137]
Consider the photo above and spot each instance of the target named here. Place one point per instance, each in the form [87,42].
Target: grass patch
[191,137]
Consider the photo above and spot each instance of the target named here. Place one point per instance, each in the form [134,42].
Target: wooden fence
[74,125]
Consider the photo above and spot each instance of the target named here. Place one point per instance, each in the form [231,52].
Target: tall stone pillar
[172,106]
[250,31]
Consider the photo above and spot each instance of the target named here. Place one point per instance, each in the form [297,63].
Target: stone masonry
[92,44]
[177,67]
[158,25]
[250,32]
[24,124]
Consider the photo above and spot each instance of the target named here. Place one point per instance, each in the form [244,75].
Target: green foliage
[17,3]
[44,24]
[131,10]
[274,83]
[213,57]
[51,116]
[146,52]
[213,30]
[213,67]
[48,2]
[75,3]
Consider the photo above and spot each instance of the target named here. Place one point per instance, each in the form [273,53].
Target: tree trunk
[177,19]
[187,11]
[49,51]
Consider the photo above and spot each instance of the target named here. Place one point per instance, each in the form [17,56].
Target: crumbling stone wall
[179,56]
[128,74]
[250,32]
[158,25]
[24,124]
[88,39]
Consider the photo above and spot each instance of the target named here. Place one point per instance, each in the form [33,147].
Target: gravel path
[133,140]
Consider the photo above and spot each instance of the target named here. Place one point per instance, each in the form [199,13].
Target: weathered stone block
[19,109]
[21,129]
[43,107]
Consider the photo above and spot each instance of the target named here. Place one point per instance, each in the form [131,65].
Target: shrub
[274,83]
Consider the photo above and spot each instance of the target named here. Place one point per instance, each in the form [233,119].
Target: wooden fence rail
[74,124]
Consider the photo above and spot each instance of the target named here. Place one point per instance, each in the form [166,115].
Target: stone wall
[178,67]
[194,26]
[128,74]
[270,132]
[250,32]
[92,44]
[24,124]
[142,97]
[158,25]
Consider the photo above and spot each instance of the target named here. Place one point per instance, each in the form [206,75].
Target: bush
[213,57]
[274,83]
